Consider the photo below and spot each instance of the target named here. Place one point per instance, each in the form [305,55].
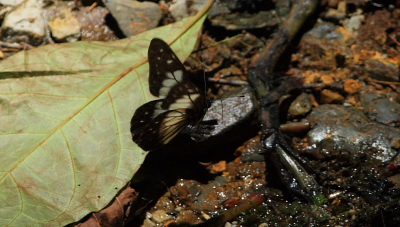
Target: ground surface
[349,61]
[352,105]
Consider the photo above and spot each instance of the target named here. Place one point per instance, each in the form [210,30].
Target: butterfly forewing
[166,70]
[182,103]
[184,95]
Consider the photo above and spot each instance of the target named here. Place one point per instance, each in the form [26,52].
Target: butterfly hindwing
[182,102]
[143,115]
[152,132]
[163,129]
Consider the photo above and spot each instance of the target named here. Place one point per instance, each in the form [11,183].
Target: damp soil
[344,122]
[350,100]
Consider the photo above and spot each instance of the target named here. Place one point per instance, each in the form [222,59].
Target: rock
[341,131]
[234,116]
[354,23]
[337,14]
[25,23]
[197,5]
[321,30]
[187,216]
[382,69]
[134,17]
[328,96]
[178,9]
[65,27]
[263,225]
[334,14]
[148,223]
[381,109]
[352,86]
[11,2]
[301,105]
[161,216]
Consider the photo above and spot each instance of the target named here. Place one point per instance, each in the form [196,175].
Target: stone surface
[134,17]
[161,216]
[25,24]
[65,27]
[179,9]
[11,2]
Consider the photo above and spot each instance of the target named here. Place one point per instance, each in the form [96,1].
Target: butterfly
[181,102]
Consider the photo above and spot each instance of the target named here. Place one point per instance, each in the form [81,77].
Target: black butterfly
[181,102]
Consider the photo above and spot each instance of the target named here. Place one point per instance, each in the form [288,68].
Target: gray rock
[379,70]
[234,116]
[321,30]
[134,17]
[178,9]
[381,109]
[341,130]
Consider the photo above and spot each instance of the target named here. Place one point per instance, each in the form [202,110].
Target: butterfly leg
[202,130]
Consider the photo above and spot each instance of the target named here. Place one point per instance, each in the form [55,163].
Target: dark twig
[262,76]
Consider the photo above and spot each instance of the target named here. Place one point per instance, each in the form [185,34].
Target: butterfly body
[181,102]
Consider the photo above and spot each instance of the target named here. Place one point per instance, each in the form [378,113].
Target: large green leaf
[65,111]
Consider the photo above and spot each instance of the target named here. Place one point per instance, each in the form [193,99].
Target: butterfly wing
[143,116]
[155,123]
[166,70]
[153,127]
[169,79]
[161,130]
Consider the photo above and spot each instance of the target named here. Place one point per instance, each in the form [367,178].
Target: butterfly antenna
[205,83]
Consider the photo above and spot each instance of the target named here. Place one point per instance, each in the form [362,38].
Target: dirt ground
[350,99]
[343,121]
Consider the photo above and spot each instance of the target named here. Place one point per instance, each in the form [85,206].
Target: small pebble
[161,216]
[328,97]
[263,225]
[352,86]
[148,223]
